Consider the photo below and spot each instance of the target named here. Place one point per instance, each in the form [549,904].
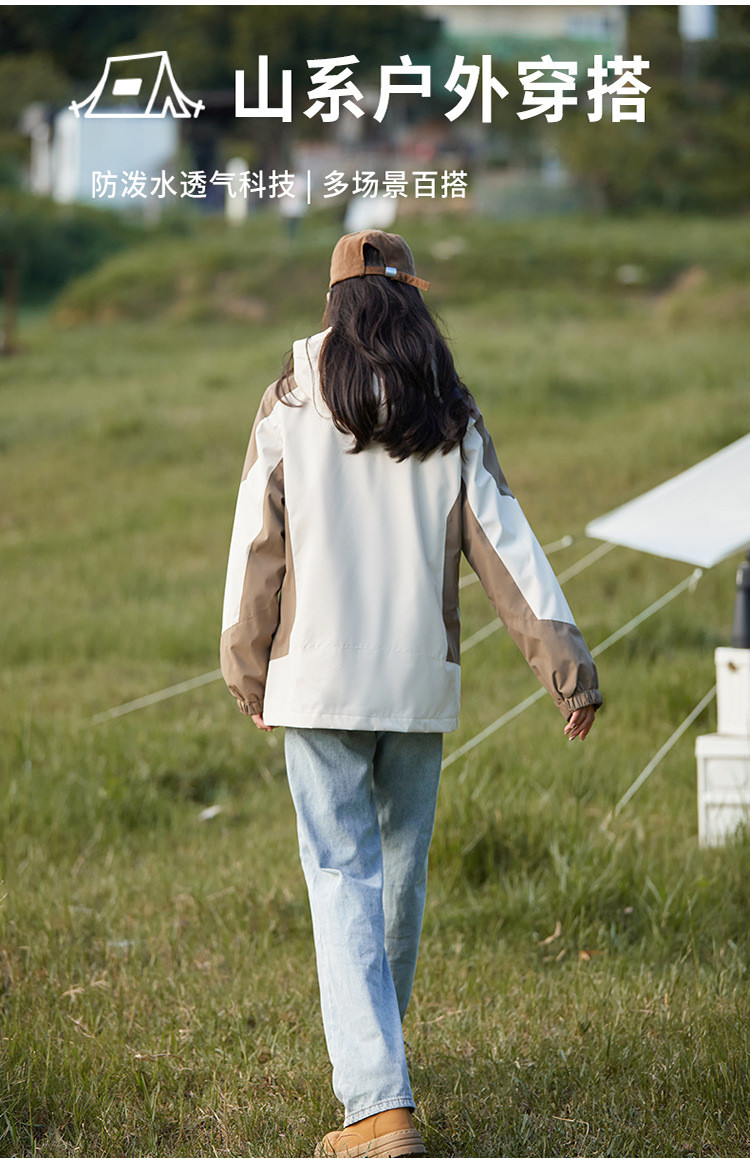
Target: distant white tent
[370,213]
[80,147]
[700,516]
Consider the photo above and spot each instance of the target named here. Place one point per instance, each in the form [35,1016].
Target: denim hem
[375,1108]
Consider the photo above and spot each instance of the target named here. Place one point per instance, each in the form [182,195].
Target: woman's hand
[259,722]
[579,723]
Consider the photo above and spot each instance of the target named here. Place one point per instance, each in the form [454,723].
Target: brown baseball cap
[347,260]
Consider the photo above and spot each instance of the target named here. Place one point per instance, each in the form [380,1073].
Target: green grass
[157,982]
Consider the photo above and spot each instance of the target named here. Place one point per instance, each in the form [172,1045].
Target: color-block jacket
[341,601]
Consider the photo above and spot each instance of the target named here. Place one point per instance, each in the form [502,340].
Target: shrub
[53,243]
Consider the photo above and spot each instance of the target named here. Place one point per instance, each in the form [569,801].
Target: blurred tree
[293,35]
[77,37]
[210,41]
[44,244]
[25,78]
[692,150]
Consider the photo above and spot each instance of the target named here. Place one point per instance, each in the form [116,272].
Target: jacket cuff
[580,700]
[249,707]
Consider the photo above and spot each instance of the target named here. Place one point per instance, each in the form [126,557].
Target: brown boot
[389,1133]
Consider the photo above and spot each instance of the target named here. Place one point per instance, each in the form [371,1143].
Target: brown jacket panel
[555,651]
[245,654]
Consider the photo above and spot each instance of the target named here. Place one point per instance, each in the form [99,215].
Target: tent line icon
[124,81]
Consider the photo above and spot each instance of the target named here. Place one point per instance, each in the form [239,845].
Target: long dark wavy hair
[382,327]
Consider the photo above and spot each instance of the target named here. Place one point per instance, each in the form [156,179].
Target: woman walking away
[369,470]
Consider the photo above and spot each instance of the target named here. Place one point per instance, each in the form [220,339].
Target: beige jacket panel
[341,605]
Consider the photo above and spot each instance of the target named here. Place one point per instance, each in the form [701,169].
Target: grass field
[583,980]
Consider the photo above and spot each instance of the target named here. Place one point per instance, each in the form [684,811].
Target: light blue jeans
[365,804]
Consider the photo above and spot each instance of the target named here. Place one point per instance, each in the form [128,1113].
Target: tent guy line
[209,677]
[575,569]
[631,625]
[548,549]
[657,759]
[689,583]
[155,697]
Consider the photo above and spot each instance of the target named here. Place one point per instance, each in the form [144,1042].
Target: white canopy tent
[701,516]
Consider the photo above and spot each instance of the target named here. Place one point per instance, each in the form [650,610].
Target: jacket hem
[356,722]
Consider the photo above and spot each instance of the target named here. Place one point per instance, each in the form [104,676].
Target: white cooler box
[723,786]
[733,691]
